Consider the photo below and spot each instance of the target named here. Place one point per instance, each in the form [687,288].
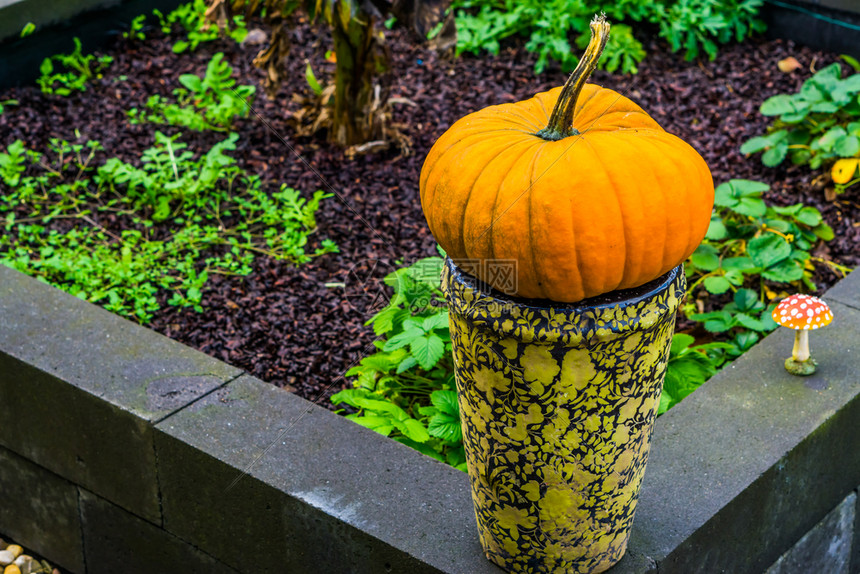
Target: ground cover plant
[817,126]
[191,218]
[695,26]
[304,326]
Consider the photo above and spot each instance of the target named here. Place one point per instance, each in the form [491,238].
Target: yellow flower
[844,169]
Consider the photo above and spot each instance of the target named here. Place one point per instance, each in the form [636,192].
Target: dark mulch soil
[282,323]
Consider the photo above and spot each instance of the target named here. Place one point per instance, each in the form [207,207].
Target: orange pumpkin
[601,198]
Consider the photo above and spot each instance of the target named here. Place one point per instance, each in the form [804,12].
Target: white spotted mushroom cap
[802,312]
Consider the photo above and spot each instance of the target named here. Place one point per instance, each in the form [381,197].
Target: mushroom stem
[800,352]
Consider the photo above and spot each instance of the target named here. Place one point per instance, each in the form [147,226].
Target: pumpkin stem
[561,121]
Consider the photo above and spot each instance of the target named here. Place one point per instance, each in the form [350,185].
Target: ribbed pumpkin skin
[613,208]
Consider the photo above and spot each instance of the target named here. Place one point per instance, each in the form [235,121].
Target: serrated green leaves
[412,368]
[212,102]
[175,202]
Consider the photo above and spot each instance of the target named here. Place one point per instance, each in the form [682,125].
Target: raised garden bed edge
[122,450]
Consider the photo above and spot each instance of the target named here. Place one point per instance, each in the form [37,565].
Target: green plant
[749,244]
[212,102]
[135,31]
[688,368]
[185,218]
[693,25]
[6,103]
[79,69]
[750,241]
[815,126]
[192,18]
[406,388]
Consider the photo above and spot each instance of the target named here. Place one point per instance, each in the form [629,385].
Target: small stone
[6,557]
[12,569]
[15,550]
[255,36]
[27,564]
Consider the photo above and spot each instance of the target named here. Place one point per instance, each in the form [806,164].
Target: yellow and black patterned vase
[558,402]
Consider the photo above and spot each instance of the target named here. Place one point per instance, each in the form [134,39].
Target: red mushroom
[802,313]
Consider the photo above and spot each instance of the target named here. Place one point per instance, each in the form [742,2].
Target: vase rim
[618,298]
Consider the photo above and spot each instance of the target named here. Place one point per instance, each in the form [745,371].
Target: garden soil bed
[297,327]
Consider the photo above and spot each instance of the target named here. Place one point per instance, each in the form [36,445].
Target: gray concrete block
[117,541]
[825,548]
[254,468]
[14,14]
[96,383]
[748,463]
[847,291]
[39,509]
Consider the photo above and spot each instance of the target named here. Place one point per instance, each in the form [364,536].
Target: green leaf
[768,249]
[809,216]
[851,62]
[427,350]
[716,229]
[716,321]
[829,139]
[784,272]
[778,105]
[413,430]
[717,285]
[312,80]
[402,339]
[436,321]
[680,341]
[824,232]
[728,194]
[162,211]
[748,322]
[738,264]
[755,144]
[706,257]
[847,146]
[745,299]
[746,339]
[446,402]
[380,424]
[446,427]
[406,364]
[774,156]
[192,82]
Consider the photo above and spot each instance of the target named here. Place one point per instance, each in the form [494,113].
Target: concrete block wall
[121,450]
